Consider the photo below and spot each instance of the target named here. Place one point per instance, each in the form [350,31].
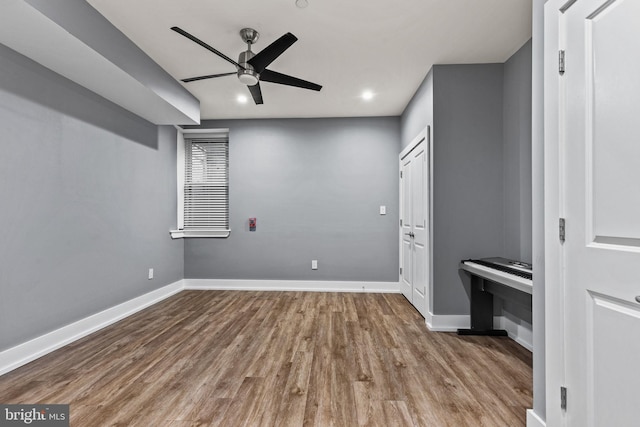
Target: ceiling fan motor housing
[247,76]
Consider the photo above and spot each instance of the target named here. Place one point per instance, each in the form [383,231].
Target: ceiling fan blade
[256,93]
[210,76]
[283,79]
[267,55]
[206,46]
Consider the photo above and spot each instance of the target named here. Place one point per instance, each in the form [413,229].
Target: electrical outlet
[314,264]
[150,273]
[383,210]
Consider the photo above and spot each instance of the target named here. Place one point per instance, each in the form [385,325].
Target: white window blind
[205,187]
[206,184]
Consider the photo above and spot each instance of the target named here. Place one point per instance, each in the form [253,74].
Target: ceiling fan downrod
[246,73]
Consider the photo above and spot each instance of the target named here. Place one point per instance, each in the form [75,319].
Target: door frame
[553,210]
[426,136]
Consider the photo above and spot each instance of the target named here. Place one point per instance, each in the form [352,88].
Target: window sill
[181,234]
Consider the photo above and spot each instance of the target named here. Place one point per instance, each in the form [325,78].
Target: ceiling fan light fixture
[302,3]
[248,79]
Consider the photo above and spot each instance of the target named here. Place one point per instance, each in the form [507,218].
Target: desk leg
[481,311]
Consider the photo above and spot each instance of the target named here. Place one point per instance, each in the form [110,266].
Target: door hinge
[563,398]
[561,62]
[400,174]
[401,271]
[561,229]
[400,223]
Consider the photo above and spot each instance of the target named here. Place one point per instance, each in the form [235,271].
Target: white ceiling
[348,46]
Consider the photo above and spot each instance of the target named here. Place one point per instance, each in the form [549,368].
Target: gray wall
[517,155]
[481,118]
[88,198]
[419,112]
[517,169]
[315,187]
[467,176]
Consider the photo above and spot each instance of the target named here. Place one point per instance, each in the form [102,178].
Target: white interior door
[419,211]
[415,235]
[406,229]
[601,199]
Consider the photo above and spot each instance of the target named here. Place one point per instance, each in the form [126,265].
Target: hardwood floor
[227,358]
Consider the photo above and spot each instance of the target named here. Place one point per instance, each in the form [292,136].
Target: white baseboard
[291,285]
[521,332]
[533,420]
[447,322]
[24,353]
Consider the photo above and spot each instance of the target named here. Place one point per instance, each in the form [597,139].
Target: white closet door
[415,235]
[406,276]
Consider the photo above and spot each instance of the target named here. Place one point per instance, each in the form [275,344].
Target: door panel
[419,213]
[406,280]
[602,208]
[613,115]
[407,267]
[614,357]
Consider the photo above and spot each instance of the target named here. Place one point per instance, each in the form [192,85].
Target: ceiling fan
[251,68]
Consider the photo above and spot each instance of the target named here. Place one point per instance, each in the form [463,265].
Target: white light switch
[383,210]
[150,273]
[314,264]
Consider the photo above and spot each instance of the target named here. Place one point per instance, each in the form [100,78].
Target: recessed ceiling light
[302,3]
[367,95]
[242,99]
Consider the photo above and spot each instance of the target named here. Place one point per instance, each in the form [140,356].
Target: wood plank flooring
[228,358]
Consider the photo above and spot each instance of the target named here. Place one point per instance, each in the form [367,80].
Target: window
[203,183]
